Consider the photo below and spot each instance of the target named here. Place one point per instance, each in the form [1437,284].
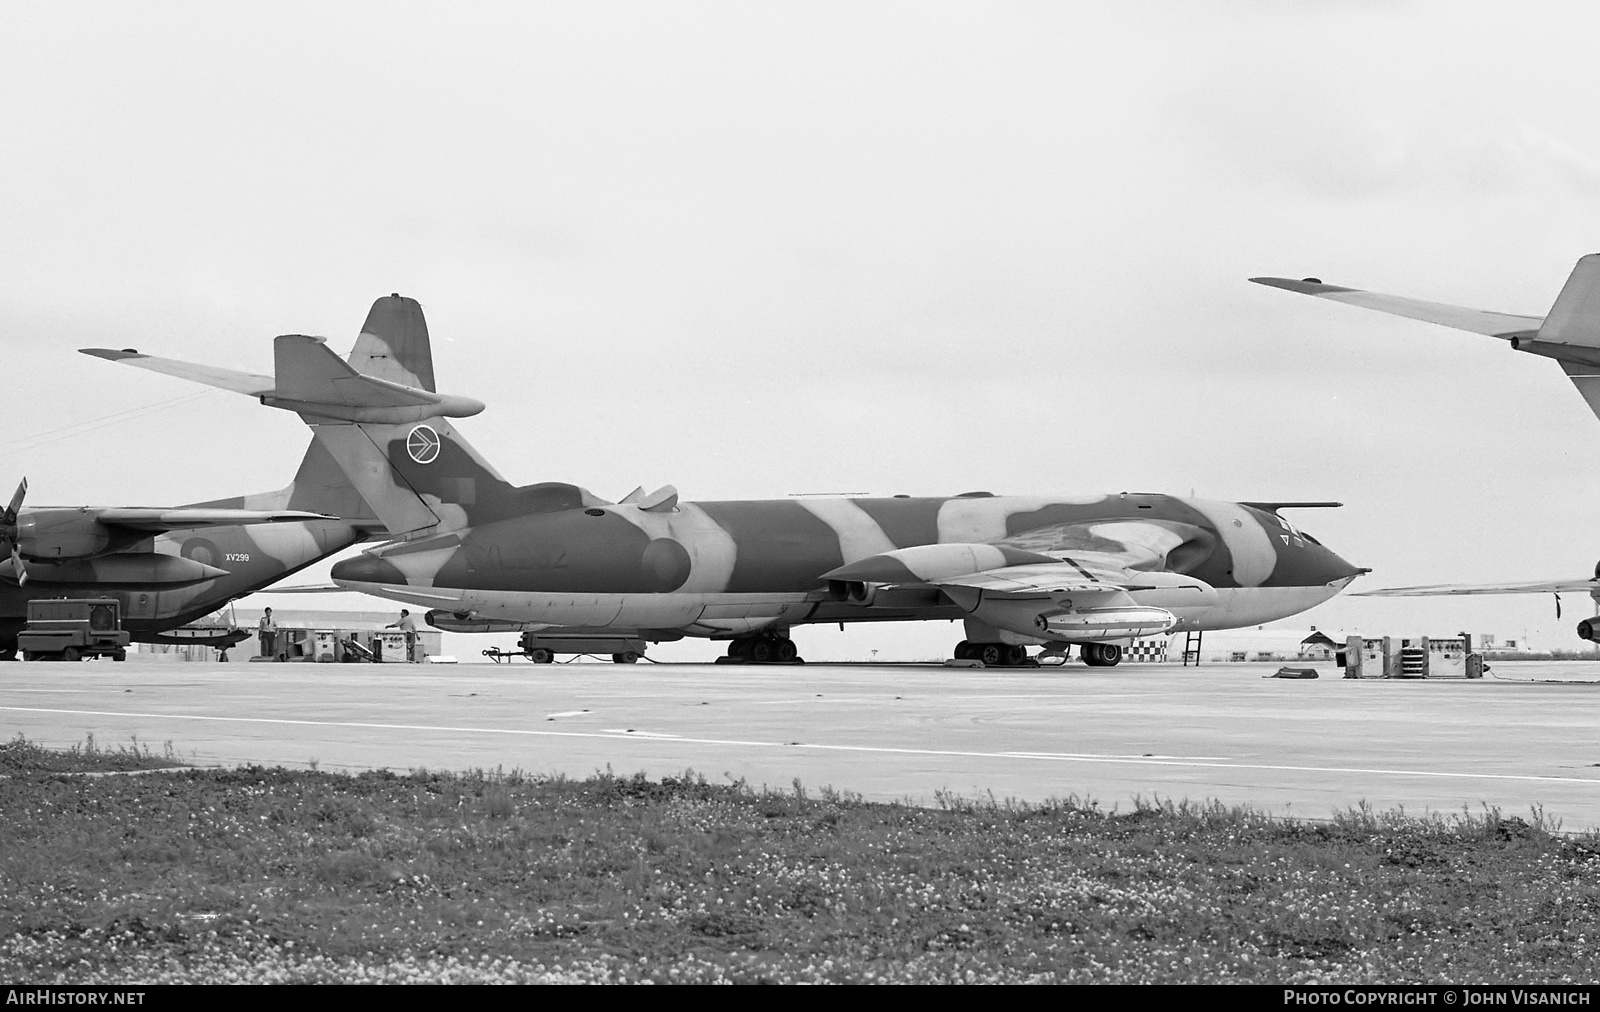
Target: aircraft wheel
[626,657]
[963,651]
[539,655]
[1017,656]
[1101,655]
[991,654]
[119,654]
[786,651]
[760,651]
[222,657]
[71,654]
[29,655]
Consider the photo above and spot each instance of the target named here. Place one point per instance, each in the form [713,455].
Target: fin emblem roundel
[423,444]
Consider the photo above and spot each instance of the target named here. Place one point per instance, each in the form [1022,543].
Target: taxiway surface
[886,732]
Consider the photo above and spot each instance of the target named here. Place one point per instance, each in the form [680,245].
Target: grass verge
[20,756]
[274,875]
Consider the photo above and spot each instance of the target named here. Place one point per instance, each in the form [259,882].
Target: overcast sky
[756,249]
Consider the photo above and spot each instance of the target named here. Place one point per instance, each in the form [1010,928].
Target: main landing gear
[995,655]
[1101,655]
[762,649]
[1006,655]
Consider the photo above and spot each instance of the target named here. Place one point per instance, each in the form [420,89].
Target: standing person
[407,626]
[269,634]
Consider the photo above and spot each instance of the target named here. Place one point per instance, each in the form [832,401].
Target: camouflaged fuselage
[568,559]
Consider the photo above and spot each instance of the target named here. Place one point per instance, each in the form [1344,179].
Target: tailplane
[1570,334]
[384,453]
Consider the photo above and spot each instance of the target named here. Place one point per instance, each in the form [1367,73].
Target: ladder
[1191,646]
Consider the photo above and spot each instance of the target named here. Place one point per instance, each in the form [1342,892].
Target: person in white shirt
[409,627]
[268,631]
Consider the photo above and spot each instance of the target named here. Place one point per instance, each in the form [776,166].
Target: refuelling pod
[1116,620]
[1102,625]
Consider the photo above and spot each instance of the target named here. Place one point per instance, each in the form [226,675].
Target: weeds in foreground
[22,756]
[274,875]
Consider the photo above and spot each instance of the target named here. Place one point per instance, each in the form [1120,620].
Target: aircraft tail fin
[394,344]
[1575,318]
[1571,333]
[418,473]
[320,485]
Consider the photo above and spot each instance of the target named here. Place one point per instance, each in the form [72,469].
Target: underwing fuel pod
[483,554]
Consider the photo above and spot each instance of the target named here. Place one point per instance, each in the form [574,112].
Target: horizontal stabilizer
[307,370]
[1477,321]
[211,376]
[306,588]
[312,381]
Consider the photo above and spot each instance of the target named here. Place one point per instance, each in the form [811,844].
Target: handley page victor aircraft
[1570,335]
[486,555]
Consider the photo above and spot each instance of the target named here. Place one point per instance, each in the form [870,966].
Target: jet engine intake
[852,591]
[1589,629]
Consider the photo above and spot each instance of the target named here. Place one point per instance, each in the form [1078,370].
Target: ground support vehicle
[70,629]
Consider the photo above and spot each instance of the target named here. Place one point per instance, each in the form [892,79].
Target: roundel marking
[422,444]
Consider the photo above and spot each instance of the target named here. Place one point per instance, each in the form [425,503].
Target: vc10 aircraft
[1570,335]
[486,555]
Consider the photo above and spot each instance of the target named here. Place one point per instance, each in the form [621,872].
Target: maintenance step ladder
[1191,646]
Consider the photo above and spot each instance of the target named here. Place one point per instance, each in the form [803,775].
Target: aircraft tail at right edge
[1570,334]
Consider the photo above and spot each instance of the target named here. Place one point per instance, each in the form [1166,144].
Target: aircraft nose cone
[366,569]
[1328,567]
